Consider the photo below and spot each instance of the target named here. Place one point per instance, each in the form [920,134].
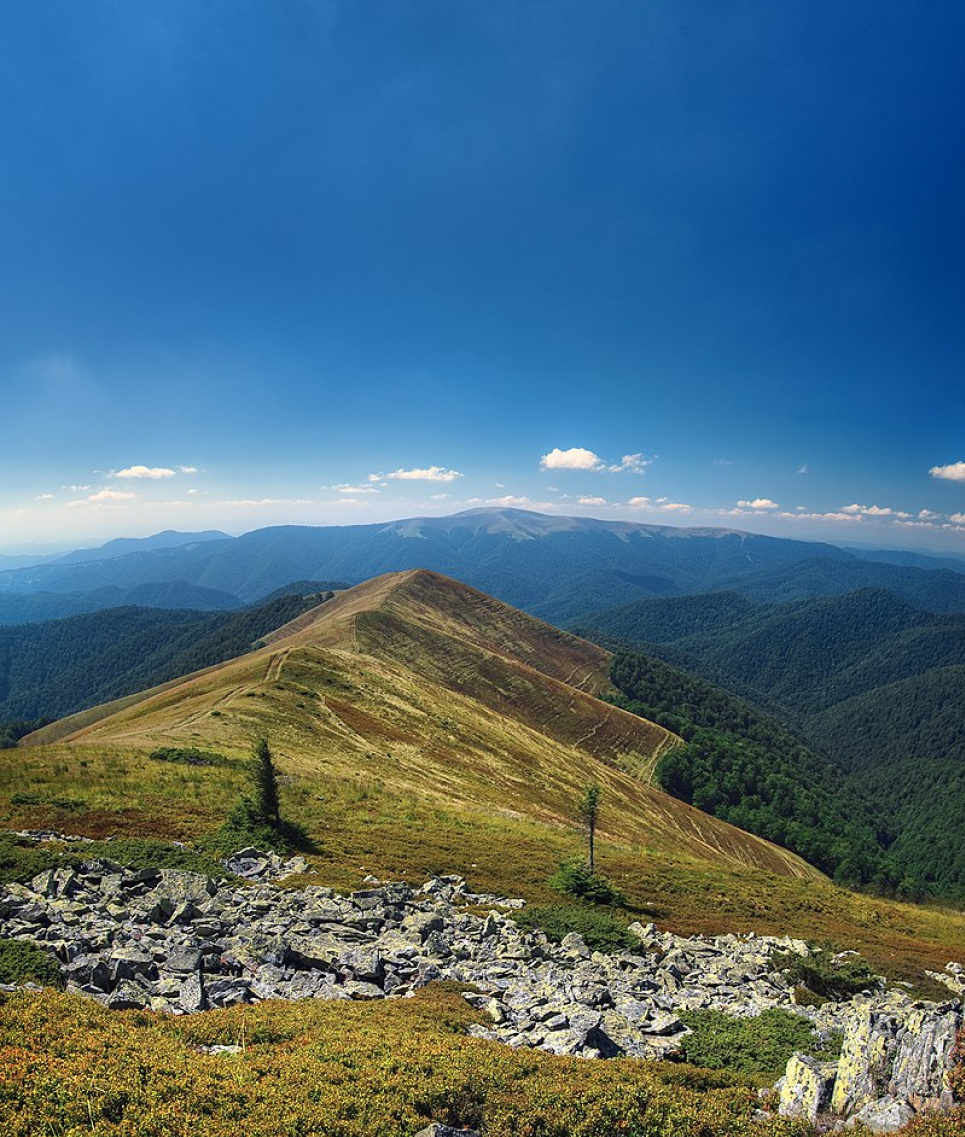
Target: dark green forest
[62,666]
[875,685]
[751,771]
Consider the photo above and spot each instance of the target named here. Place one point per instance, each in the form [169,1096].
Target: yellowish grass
[422,727]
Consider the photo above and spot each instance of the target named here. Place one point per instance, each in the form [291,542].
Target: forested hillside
[53,669]
[751,771]
[866,679]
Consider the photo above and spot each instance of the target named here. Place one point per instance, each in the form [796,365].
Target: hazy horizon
[320,264]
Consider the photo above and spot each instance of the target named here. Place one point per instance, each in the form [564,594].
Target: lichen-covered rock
[806,1087]
[923,1060]
[865,1063]
[883,1116]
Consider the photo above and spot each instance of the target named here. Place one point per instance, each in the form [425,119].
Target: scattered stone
[436,1129]
[179,942]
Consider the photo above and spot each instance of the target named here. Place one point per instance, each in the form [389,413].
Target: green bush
[756,1046]
[600,930]
[820,974]
[189,756]
[245,825]
[23,962]
[575,879]
[20,859]
[142,853]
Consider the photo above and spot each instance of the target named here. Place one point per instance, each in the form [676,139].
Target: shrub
[143,853]
[355,1069]
[824,976]
[575,879]
[600,930]
[189,756]
[957,1076]
[245,825]
[23,962]
[757,1046]
[21,860]
[68,804]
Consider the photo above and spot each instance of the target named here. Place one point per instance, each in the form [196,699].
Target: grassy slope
[398,765]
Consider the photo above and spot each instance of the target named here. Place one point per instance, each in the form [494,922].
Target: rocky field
[180,942]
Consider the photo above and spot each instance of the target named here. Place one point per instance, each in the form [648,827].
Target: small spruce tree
[266,784]
[588,809]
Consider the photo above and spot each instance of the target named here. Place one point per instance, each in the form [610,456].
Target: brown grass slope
[426,688]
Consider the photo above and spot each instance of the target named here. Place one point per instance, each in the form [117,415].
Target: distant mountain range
[558,568]
[121,546]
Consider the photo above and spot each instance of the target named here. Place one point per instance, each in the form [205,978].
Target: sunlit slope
[434,689]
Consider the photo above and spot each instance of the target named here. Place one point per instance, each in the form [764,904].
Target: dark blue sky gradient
[295,244]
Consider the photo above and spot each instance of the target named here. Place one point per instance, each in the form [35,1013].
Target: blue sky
[334,262]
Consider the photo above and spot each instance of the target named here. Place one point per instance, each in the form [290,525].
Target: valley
[422,728]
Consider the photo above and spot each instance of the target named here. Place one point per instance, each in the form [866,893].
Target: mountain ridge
[524,740]
[556,567]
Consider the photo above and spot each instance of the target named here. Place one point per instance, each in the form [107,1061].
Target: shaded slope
[874,682]
[62,666]
[752,772]
[378,680]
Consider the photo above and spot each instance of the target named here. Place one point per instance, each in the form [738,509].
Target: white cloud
[592,500]
[77,489]
[659,504]
[884,511]
[187,469]
[430,474]
[803,469]
[112,495]
[152,472]
[512,501]
[955,472]
[191,491]
[579,458]
[44,497]
[958,518]
[102,497]
[833,516]
[758,503]
[576,458]
[246,503]
[873,511]
[355,489]
[438,496]
[631,463]
[928,515]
